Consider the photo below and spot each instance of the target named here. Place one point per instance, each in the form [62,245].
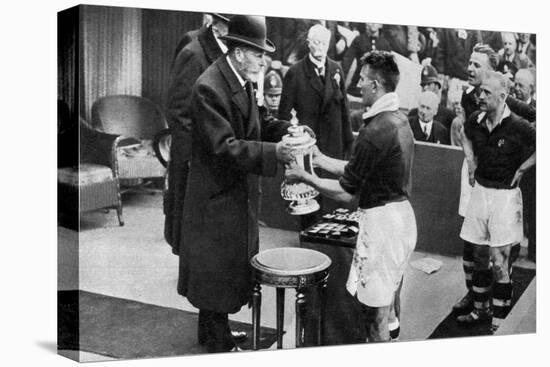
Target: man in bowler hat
[231,148]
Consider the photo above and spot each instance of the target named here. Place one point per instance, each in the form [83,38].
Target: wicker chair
[140,124]
[93,182]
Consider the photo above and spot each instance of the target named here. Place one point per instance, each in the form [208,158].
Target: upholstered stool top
[290,261]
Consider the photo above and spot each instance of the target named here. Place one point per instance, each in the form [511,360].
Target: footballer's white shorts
[494,217]
[386,240]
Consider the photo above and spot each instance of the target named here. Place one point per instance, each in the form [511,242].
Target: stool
[288,267]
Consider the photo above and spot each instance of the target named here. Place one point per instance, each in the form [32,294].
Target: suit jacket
[230,150]
[321,106]
[189,64]
[444,115]
[438,135]
[520,61]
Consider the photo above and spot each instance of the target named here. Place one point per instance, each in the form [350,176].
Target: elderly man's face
[318,45]
[427,107]
[509,42]
[477,66]
[522,87]
[491,95]
[250,63]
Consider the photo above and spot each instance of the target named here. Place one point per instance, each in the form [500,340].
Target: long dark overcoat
[189,64]
[220,216]
[323,107]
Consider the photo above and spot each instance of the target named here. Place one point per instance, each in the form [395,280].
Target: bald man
[423,125]
[314,87]
[508,53]
[524,87]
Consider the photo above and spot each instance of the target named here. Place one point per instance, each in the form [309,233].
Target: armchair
[139,123]
[93,182]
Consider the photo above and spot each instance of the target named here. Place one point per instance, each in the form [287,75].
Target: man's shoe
[236,349]
[465,304]
[239,335]
[475,317]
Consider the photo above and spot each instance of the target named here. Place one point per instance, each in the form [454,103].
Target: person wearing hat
[273,86]
[189,64]
[217,20]
[231,148]
[430,81]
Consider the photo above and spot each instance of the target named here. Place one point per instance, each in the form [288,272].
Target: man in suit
[189,64]
[526,47]
[230,149]
[314,87]
[429,81]
[508,52]
[424,126]
[209,19]
[524,87]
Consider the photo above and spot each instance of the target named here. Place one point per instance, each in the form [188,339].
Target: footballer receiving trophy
[300,195]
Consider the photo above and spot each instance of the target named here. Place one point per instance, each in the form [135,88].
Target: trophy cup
[300,195]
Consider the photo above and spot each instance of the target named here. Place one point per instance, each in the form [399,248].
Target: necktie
[426,136]
[321,73]
[250,91]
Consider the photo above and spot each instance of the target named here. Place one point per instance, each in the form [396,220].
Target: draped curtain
[110,55]
[67,60]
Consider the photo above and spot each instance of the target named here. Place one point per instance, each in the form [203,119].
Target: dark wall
[161,32]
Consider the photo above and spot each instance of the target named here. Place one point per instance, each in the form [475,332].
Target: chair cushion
[84,174]
[138,161]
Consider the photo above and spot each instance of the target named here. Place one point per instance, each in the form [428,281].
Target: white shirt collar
[426,125]
[388,102]
[239,77]
[222,45]
[317,63]
[505,114]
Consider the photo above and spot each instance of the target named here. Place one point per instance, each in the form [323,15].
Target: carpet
[450,328]
[122,328]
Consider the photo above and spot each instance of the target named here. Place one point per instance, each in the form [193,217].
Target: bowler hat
[223,17]
[249,30]
[429,75]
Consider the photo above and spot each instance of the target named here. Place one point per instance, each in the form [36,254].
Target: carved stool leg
[256,307]
[322,306]
[280,316]
[300,314]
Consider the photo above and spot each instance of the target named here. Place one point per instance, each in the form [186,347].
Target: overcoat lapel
[238,93]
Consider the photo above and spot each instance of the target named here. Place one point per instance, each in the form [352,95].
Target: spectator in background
[207,20]
[524,87]
[314,87]
[424,126]
[367,41]
[526,47]
[493,39]
[452,55]
[430,81]
[273,86]
[508,52]
[524,90]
